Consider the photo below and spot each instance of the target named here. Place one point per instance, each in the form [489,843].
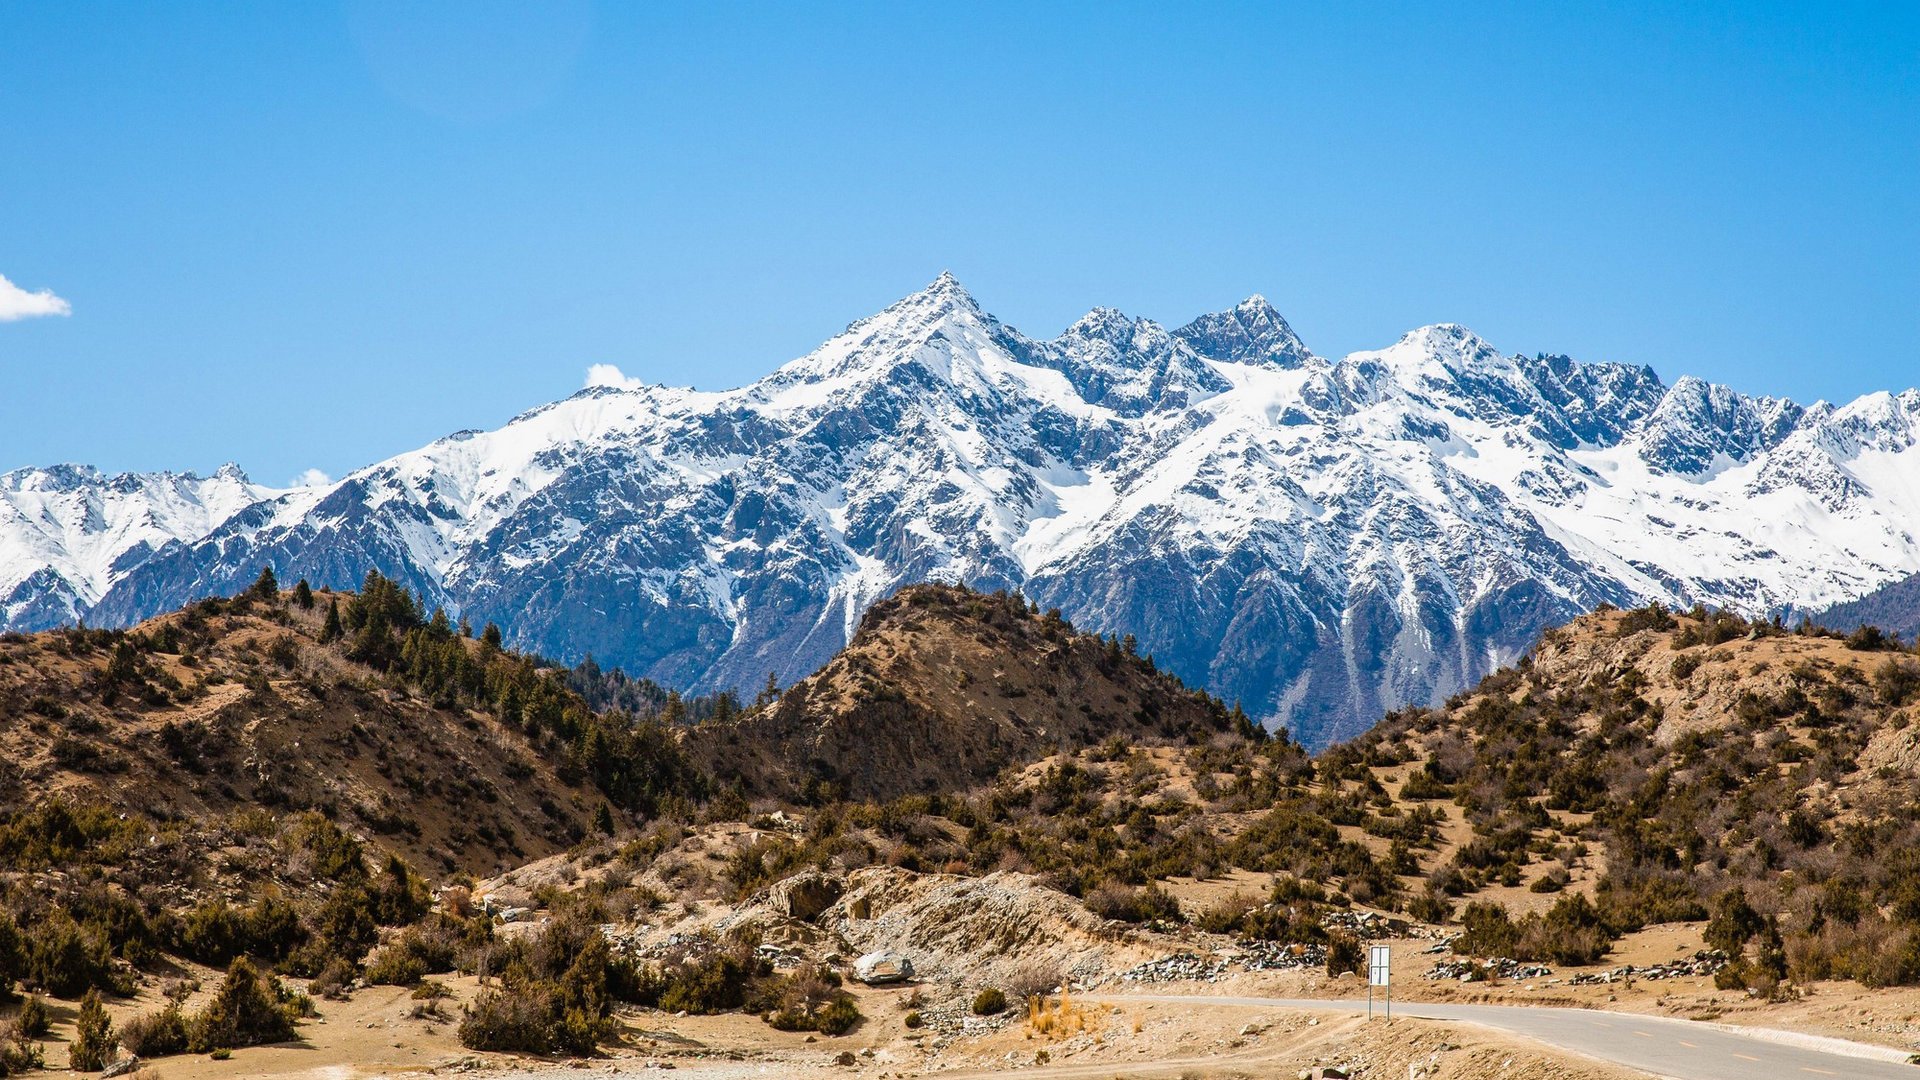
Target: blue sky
[310,236]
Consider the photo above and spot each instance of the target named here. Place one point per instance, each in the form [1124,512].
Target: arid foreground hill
[211,717]
[942,689]
[278,781]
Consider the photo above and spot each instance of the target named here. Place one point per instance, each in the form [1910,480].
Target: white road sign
[1378,965]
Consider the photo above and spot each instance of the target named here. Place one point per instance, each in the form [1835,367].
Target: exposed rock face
[1318,539]
[804,896]
[985,931]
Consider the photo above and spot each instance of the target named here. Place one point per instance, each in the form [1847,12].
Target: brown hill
[1720,767]
[940,690]
[230,707]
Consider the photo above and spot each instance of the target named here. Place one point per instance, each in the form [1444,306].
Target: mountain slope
[942,688]
[238,706]
[1718,763]
[1321,540]
[1893,608]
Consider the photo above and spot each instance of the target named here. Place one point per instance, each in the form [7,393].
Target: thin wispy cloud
[17,303]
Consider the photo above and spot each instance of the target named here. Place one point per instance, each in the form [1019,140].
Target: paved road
[1676,1049]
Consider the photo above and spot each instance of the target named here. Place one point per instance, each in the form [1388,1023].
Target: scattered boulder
[877,968]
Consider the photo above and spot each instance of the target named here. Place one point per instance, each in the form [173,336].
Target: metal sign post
[1379,973]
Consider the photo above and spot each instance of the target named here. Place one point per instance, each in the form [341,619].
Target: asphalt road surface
[1676,1049]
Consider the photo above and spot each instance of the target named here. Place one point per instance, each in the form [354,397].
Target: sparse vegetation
[1544,770]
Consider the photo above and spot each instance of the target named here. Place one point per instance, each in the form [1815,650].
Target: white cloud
[609,375]
[312,478]
[17,303]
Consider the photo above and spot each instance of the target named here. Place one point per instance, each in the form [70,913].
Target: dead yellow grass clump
[1063,1018]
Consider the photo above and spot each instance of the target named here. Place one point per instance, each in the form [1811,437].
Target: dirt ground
[376,1035]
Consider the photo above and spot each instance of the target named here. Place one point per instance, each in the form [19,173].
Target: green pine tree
[332,630]
[769,693]
[303,594]
[13,955]
[93,1040]
[266,586]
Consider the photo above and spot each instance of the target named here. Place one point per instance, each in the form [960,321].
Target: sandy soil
[374,1036]
[379,1033]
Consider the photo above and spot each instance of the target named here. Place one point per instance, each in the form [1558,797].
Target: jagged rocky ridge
[1318,539]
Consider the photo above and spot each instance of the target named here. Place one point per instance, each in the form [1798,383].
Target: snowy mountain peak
[884,342]
[1701,426]
[1252,332]
[1110,325]
[62,477]
[941,295]
[1457,347]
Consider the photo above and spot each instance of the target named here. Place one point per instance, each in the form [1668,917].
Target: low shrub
[335,980]
[839,1017]
[1124,904]
[214,932]
[247,1010]
[1423,784]
[499,1020]
[1033,981]
[810,999]
[156,1034]
[1227,916]
[556,995]
[395,966]
[718,982]
[1571,932]
[989,1002]
[13,955]
[1344,954]
[17,1054]
[34,1019]
[66,959]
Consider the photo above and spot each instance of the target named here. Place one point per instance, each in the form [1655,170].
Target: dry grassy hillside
[1695,765]
[232,708]
[940,690]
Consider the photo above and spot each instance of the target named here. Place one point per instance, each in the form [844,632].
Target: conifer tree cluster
[634,762]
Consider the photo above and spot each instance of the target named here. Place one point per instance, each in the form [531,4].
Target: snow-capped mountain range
[1319,539]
